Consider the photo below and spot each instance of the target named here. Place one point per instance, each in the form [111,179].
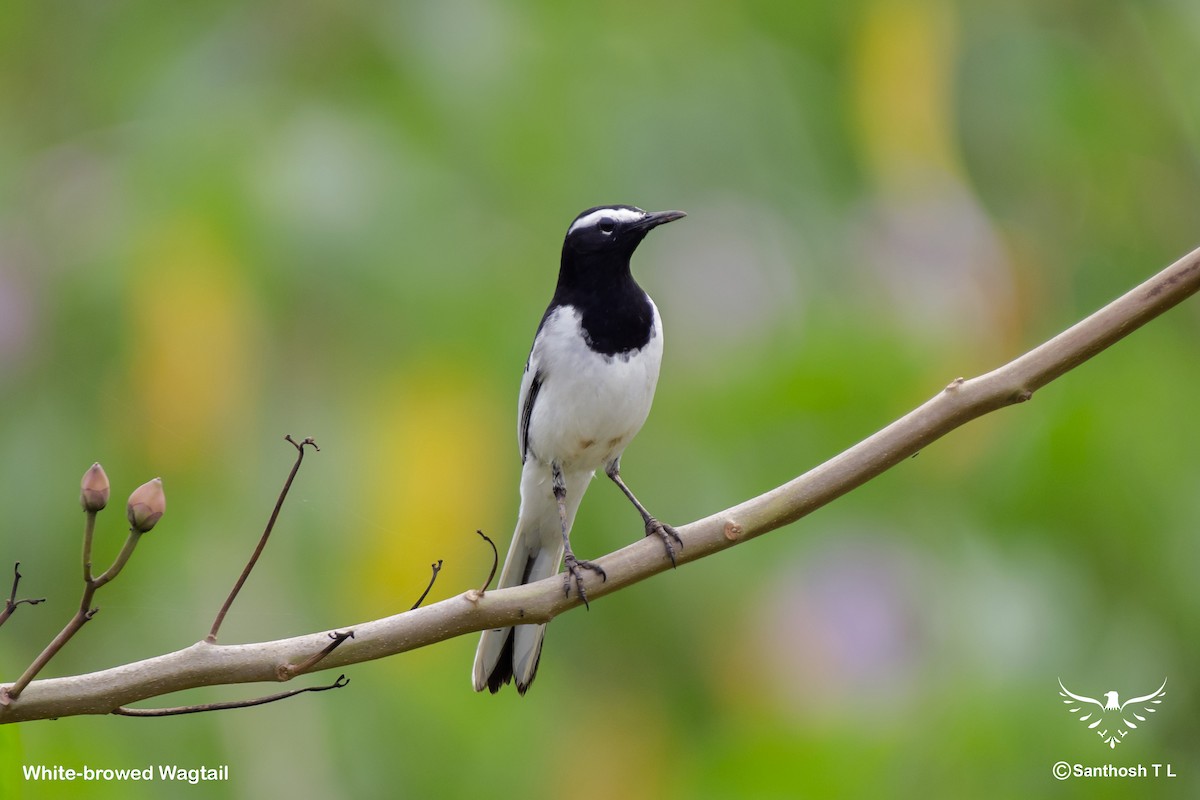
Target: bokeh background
[223,222]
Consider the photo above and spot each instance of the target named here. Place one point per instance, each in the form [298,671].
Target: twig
[288,671]
[10,605]
[204,664]
[88,531]
[436,569]
[262,542]
[495,562]
[124,711]
[83,615]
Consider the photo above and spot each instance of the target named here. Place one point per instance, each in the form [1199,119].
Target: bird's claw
[666,533]
[574,567]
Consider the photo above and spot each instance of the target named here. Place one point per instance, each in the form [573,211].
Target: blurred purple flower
[841,629]
[16,311]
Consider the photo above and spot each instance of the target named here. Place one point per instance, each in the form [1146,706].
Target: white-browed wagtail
[587,389]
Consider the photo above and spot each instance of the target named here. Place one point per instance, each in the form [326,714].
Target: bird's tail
[536,552]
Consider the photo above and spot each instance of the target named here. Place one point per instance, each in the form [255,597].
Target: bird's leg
[573,564]
[653,526]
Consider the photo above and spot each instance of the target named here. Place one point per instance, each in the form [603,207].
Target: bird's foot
[575,569]
[665,532]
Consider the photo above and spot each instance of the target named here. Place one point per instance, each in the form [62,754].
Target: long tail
[508,654]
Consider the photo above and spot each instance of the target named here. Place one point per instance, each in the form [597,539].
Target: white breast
[589,406]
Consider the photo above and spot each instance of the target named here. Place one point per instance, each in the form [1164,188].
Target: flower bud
[146,505]
[93,490]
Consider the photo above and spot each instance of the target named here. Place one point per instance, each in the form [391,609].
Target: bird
[585,393]
[1112,732]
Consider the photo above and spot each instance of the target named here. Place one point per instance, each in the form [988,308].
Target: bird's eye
[607,226]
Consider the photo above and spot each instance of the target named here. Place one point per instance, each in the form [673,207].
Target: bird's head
[1110,701]
[615,231]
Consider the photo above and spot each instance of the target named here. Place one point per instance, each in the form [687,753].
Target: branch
[175,711]
[10,604]
[432,579]
[144,509]
[207,664]
[495,561]
[266,534]
[310,663]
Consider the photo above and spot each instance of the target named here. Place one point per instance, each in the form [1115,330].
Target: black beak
[655,218]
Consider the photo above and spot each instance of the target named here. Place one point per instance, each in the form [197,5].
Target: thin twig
[288,671]
[83,615]
[495,562]
[124,711]
[262,542]
[432,578]
[88,530]
[10,605]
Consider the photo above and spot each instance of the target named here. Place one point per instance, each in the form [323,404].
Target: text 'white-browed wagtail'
[586,392]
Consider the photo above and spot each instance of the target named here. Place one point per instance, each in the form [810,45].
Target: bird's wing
[1078,701]
[1077,697]
[531,384]
[1145,701]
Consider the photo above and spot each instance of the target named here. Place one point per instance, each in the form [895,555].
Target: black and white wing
[531,384]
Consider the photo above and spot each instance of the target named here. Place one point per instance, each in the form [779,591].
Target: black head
[616,315]
[615,231]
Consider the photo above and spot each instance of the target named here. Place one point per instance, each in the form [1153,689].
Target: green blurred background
[224,222]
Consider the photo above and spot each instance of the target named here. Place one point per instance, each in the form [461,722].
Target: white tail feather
[535,553]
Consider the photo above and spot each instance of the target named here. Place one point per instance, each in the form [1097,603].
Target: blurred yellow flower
[905,59]
[433,467]
[193,358]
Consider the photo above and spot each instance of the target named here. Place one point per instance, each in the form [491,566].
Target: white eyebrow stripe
[619,214]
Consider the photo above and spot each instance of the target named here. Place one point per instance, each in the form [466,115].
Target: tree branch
[176,711]
[266,534]
[10,605]
[206,664]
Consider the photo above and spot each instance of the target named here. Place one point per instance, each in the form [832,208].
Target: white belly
[589,406]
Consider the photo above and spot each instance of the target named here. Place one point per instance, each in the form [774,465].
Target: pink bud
[93,490]
[146,505]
